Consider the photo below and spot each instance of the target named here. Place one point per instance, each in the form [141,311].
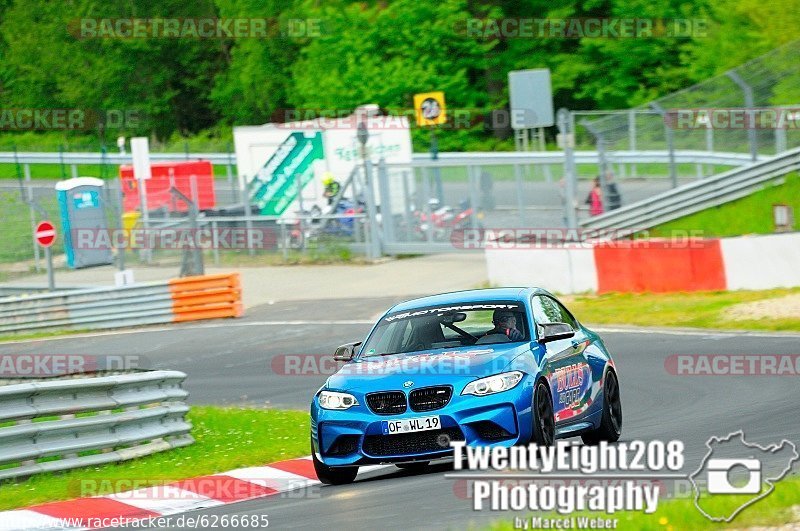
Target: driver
[505,323]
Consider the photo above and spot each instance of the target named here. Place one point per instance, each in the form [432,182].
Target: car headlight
[335,400]
[493,384]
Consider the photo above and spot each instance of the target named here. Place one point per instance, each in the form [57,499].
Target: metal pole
[520,195]
[570,178]
[749,103]
[51,281]
[437,174]
[387,216]
[632,137]
[668,132]
[29,193]
[473,195]
[120,219]
[407,214]
[374,244]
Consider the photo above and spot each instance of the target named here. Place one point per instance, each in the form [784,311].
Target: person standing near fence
[613,197]
[595,199]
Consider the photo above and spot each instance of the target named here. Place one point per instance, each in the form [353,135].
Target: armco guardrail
[130,415]
[694,197]
[177,300]
[418,159]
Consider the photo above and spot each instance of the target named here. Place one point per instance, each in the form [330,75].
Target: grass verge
[226,438]
[749,215]
[698,310]
[777,508]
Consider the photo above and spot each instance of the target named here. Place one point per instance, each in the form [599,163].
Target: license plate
[392,427]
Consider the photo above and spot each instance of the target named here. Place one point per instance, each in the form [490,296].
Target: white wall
[762,262]
[561,270]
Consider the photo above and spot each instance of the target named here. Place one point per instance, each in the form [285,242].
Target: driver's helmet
[328,179]
[503,317]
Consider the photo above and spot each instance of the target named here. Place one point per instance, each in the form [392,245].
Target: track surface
[229,362]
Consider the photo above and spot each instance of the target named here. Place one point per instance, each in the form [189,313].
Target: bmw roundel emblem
[408,383]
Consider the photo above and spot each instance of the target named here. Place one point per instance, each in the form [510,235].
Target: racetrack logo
[733,364]
[579,28]
[128,490]
[739,474]
[193,28]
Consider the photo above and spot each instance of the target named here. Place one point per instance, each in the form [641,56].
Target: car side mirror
[346,351]
[554,331]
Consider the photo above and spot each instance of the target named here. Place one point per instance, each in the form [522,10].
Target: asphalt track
[230,362]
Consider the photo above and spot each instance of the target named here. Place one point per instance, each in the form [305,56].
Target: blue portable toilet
[82,209]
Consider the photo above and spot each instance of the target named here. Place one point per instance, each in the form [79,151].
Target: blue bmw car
[497,366]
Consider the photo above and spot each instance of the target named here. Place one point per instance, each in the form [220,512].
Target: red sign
[45,234]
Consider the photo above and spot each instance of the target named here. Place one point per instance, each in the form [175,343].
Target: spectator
[595,199]
[613,197]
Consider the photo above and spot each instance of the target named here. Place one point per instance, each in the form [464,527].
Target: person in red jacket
[595,199]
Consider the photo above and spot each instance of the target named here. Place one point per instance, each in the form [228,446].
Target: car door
[566,366]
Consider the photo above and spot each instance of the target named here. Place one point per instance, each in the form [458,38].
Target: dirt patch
[787,307]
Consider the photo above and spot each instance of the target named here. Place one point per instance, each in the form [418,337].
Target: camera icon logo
[720,480]
[737,474]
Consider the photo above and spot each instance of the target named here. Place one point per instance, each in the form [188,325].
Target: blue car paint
[581,362]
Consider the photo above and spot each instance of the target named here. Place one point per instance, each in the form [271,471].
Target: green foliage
[367,51]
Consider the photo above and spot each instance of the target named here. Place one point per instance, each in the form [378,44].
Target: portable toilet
[84,222]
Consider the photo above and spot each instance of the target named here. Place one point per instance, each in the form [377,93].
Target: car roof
[471,295]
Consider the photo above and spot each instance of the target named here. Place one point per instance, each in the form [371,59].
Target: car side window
[548,310]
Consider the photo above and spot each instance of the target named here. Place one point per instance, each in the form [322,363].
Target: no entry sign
[45,234]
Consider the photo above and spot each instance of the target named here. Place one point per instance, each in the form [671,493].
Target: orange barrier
[206,297]
[659,266]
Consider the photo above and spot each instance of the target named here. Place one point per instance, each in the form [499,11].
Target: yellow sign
[430,108]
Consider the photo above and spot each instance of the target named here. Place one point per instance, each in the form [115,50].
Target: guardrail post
[749,104]
[670,137]
[567,133]
[374,242]
[26,168]
[387,216]
[632,137]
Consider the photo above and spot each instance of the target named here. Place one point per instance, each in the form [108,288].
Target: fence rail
[177,300]
[121,417]
[418,159]
[697,196]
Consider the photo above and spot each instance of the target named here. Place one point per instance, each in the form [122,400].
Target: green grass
[697,309]
[749,215]
[682,515]
[226,438]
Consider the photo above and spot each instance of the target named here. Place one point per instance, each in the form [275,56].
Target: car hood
[425,368]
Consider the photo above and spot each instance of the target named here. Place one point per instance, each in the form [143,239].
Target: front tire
[339,475]
[610,428]
[544,424]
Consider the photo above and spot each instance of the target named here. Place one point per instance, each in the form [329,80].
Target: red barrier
[659,266]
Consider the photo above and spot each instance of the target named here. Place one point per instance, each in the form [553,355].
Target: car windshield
[451,326]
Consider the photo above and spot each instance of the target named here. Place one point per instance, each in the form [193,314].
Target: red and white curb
[174,498]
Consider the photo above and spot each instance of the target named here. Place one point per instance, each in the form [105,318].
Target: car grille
[430,398]
[387,402]
[411,443]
